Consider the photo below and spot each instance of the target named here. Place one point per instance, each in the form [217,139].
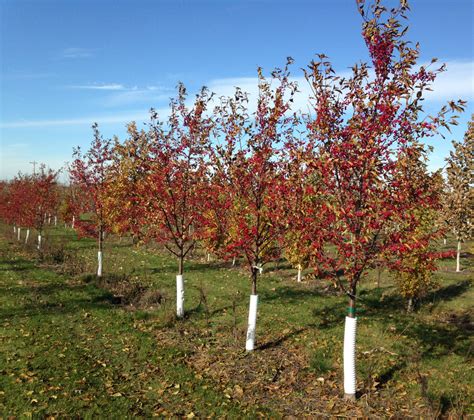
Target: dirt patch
[278,375]
[127,292]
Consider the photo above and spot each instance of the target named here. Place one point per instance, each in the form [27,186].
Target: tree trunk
[99,254]
[27,235]
[252,321]
[349,350]
[233,262]
[444,241]
[410,305]
[379,274]
[55,220]
[39,242]
[299,273]
[208,257]
[458,257]
[180,288]
[254,280]
[19,234]
[14,230]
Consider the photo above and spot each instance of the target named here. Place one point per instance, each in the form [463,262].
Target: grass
[68,349]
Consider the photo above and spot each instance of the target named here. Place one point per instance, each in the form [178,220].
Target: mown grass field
[72,346]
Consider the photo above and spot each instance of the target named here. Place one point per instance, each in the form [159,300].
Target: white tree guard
[299,273]
[349,357]
[252,325]
[55,220]
[19,234]
[14,229]
[179,296]
[99,266]
[73,221]
[39,241]
[27,235]
[458,258]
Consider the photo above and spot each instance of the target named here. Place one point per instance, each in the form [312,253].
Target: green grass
[66,349]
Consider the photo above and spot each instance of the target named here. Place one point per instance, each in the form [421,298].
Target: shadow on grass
[55,309]
[327,317]
[290,295]
[449,292]
[377,305]
[171,268]
[277,342]
[53,299]
[439,340]
[20,264]
[388,374]
[281,265]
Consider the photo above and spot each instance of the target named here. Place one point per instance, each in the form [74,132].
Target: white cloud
[104,119]
[150,95]
[74,52]
[110,86]
[457,82]
[118,94]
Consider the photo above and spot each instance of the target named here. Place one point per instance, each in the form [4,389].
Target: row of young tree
[341,189]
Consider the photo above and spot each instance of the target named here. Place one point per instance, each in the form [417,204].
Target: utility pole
[34,167]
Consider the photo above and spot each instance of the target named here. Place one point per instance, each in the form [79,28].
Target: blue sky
[67,63]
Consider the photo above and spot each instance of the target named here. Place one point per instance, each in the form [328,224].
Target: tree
[413,258]
[127,186]
[303,208]
[216,221]
[246,164]
[361,125]
[460,195]
[89,174]
[19,192]
[68,205]
[177,183]
[33,198]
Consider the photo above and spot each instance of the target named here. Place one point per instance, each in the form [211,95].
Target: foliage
[460,194]
[33,198]
[127,184]
[362,124]
[177,185]
[247,169]
[88,174]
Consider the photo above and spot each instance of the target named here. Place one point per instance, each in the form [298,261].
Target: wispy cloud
[118,94]
[457,82]
[88,120]
[151,95]
[74,52]
[110,86]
